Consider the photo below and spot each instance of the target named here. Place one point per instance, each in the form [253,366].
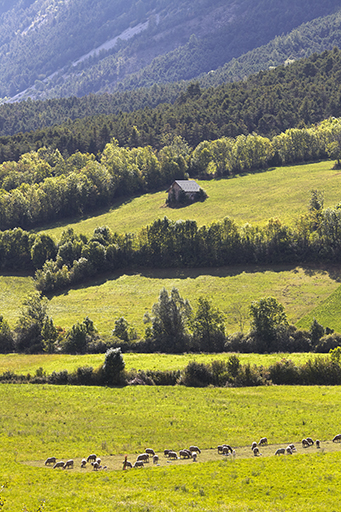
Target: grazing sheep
[126,463]
[68,464]
[150,451]
[50,460]
[310,441]
[317,443]
[220,448]
[83,463]
[227,447]
[166,452]
[98,460]
[337,438]
[143,456]
[256,451]
[194,456]
[226,450]
[155,459]
[96,465]
[289,450]
[185,454]
[263,440]
[172,454]
[194,449]
[253,446]
[59,464]
[305,443]
[280,451]
[91,457]
[292,446]
[138,464]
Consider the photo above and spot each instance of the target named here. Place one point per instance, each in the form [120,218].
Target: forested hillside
[75,47]
[302,93]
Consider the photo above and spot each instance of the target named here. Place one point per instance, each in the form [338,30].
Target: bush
[196,375]
[113,367]
[284,372]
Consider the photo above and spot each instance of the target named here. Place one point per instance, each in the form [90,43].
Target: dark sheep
[150,451]
[263,440]
[172,454]
[337,438]
[194,449]
[256,451]
[305,443]
[280,451]
[317,443]
[50,460]
[59,464]
[68,464]
[185,454]
[310,441]
[91,458]
[144,457]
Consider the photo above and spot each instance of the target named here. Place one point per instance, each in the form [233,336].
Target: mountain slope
[74,47]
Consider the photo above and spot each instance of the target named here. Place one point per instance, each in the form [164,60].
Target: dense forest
[58,49]
[302,93]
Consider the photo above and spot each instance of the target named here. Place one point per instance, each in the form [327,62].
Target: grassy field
[67,422]
[24,364]
[282,192]
[232,289]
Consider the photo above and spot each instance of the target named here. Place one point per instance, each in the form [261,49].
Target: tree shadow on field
[193,273]
[333,271]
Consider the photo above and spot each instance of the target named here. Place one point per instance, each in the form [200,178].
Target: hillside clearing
[282,192]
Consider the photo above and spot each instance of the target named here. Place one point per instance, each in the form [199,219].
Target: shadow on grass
[193,273]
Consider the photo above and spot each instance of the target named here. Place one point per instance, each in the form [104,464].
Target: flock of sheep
[191,453]
[69,464]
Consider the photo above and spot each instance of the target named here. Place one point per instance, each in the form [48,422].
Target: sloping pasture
[72,422]
[282,192]
[232,289]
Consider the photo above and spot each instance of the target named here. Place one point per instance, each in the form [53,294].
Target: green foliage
[208,327]
[266,315]
[113,366]
[170,316]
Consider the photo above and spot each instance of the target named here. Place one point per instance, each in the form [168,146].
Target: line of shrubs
[321,370]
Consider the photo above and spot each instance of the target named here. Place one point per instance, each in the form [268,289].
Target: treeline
[318,371]
[298,95]
[43,186]
[314,238]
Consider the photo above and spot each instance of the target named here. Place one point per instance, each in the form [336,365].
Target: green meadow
[232,289]
[72,422]
[30,363]
[282,192]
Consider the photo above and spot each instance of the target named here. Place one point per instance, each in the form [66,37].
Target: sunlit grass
[24,364]
[39,421]
[283,192]
[232,289]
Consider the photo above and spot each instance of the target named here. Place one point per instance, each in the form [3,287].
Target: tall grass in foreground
[72,422]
